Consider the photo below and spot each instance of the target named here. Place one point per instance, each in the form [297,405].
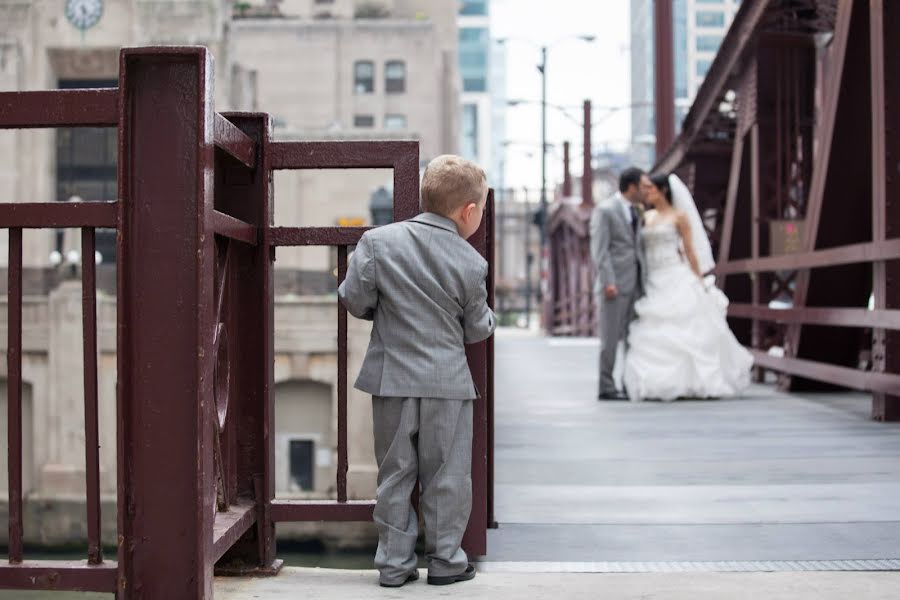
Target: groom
[615,233]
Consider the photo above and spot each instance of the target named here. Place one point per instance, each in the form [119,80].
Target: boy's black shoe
[413,576]
[466,575]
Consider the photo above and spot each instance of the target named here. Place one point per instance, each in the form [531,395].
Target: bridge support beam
[248,316]
[839,210]
[664,53]
[167,488]
[884,18]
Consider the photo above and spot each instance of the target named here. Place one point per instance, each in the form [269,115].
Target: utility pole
[665,77]
[542,212]
[587,176]
[567,175]
[540,217]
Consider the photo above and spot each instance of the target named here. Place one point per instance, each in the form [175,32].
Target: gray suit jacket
[424,287]
[616,249]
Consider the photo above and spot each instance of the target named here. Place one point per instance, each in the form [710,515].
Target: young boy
[423,286]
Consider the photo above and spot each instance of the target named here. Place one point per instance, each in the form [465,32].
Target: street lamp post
[541,216]
[543,209]
[664,77]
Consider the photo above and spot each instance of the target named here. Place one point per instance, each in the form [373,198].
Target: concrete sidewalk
[328,584]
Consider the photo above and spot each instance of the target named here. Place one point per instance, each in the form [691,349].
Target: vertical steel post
[731,200]
[475,538]
[14,395]
[543,290]
[755,211]
[567,174]
[167,491]
[342,466]
[543,69]
[844,171]
[490,222]
[665,77]
[825,134]
[884,17]
[587,177]
[529,261]
[91,410]
[247,194]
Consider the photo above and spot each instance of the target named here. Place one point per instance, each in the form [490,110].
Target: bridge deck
[768,482]
[767,477]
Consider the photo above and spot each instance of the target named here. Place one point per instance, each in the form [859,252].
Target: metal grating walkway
[889,564]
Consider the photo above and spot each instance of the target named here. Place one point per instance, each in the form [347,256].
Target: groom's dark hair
[628,177]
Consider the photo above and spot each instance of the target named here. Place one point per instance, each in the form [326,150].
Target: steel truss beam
[836,188]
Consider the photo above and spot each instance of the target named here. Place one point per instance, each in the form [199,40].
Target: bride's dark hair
[661,181]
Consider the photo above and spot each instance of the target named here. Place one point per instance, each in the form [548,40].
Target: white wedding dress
[680,345]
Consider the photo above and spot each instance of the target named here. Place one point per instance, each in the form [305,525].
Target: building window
[703,67]
[474,84]
[364,77]
[470,131]
[86,167]
[474,35]
[473,7]
[474,69]
[474,44]
[363,121]
[395,121]
[709,18]
[473,61]
[302,456]
[680,48]
[708,43]
[395,77]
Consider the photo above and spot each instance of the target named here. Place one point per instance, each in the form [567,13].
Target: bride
[680,344]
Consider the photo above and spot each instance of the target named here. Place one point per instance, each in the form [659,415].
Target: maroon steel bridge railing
[859,33]
[195,318]
[403,158]
[81,108]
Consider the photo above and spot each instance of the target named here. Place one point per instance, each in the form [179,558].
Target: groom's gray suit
[618,258]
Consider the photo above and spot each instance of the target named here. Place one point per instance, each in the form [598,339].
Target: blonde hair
[450,182]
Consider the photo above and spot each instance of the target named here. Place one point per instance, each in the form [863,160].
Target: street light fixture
[381,206]
[564,109]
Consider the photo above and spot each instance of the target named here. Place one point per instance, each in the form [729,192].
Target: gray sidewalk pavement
[327,584]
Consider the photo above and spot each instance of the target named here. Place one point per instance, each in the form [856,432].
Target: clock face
[84,14]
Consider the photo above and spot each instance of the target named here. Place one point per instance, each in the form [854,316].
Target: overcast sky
[576,71]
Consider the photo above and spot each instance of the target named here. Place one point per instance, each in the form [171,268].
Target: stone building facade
[333,70]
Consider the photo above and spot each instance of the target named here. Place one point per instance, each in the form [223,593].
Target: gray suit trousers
[615,316]
[429,439]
